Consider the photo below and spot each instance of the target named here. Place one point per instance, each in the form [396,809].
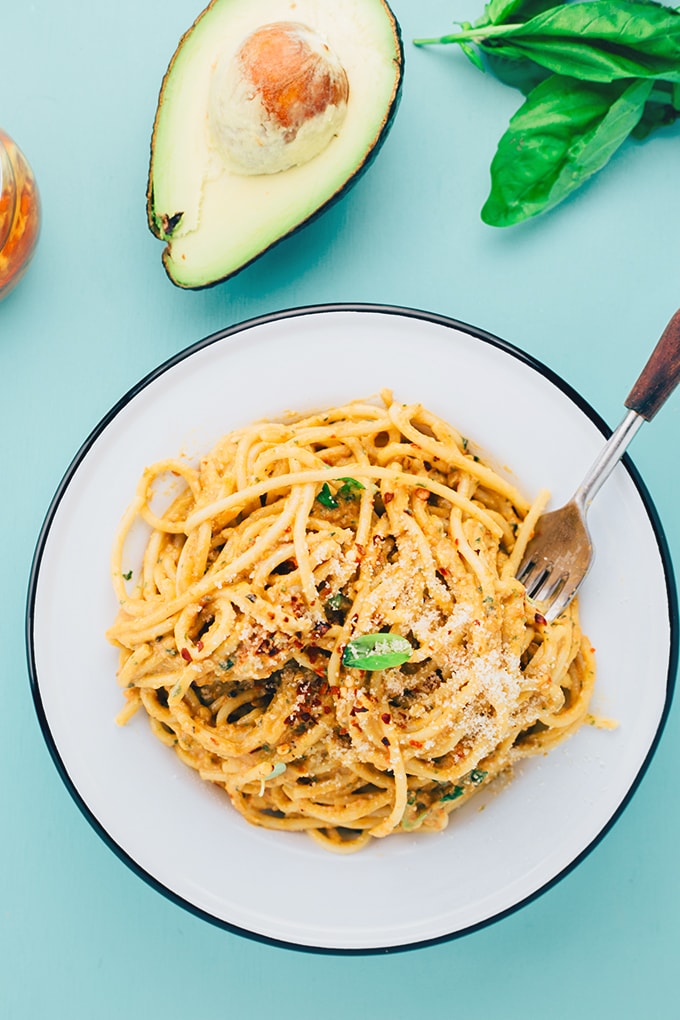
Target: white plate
[180,834]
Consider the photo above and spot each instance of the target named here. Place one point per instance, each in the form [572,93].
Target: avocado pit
[278,101]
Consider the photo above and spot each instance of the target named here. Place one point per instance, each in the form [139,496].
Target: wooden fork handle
[660,375]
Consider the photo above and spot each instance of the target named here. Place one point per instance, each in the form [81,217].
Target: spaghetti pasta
[327,625]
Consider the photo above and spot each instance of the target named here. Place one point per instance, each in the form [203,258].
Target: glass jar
[19,214]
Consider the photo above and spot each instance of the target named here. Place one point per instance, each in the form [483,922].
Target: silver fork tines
[557,559]
[545,584]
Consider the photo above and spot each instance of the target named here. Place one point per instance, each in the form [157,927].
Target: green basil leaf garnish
[350,488]
[347,490]
[455,793]
[338,602]
[326,497]
[376,651]
[501,12]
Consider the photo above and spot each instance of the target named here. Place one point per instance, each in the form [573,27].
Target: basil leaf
[518,74]
[338,602]
[565,131]
[501,12]
[656,116]
[350,487]
[347,490]
[326,497]
[472,55]
[376,651]
[662,109]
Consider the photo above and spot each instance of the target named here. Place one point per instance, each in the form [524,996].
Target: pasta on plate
[327,625]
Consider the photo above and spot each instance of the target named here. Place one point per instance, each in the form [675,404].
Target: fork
[560,552]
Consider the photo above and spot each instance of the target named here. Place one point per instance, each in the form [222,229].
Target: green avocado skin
[165,224]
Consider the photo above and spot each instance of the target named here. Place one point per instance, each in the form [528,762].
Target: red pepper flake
[199,646]
[388,497]
[186,655]
[335,692]
[385,741]
[540,619]
[416,743]
[267,647]
[443,571]
[386,717]
[421,493]
[327,709]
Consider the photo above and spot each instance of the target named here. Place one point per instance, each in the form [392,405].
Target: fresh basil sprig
[593,72]
[376,651]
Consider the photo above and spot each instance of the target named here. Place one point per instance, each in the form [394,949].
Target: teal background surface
[586,289]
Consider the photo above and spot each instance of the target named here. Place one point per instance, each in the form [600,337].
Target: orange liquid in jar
[19,214]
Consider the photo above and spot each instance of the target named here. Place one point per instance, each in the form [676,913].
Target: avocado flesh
[216,221]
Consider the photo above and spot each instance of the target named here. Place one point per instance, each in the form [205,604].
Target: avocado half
[216,219]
